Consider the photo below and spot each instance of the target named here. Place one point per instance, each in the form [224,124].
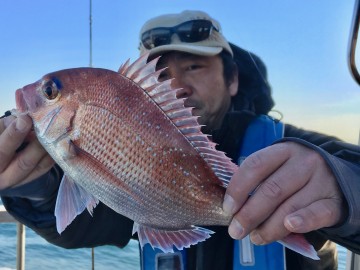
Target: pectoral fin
[71,201]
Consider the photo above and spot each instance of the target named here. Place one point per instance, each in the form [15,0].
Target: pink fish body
[123,138]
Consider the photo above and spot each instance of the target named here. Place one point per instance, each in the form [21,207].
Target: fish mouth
[21,105]
[27,98]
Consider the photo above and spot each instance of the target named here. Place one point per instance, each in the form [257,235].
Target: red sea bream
[123,138]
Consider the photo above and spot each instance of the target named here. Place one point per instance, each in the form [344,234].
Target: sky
[304,45]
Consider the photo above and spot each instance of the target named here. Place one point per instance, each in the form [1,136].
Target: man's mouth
[189,103]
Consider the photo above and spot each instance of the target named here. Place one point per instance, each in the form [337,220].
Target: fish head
[52,102]
[52,90]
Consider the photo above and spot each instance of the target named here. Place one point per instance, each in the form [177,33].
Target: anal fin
[165,240]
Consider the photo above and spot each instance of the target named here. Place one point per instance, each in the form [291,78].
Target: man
[227,101]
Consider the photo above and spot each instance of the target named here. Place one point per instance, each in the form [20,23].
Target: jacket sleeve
[344,161]
[33,205]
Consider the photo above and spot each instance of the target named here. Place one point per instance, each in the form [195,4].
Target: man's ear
[234,85]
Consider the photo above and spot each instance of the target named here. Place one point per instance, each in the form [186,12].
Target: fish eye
[50,90]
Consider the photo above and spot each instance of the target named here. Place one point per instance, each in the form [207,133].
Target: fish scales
[166,157]
[128,174]
[123,138]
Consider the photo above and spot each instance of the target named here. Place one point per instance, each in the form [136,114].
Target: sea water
[40,255]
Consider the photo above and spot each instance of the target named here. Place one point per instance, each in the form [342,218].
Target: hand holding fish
[294,192]
[20,166]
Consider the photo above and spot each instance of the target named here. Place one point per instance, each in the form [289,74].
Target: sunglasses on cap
[190,31]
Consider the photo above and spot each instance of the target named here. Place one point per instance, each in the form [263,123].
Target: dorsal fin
[146,76]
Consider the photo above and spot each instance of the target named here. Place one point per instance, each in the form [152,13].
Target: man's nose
[184,89]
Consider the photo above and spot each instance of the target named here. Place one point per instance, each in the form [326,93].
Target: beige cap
[213,45]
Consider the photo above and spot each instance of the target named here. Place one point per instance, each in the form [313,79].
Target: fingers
[43,166]
[250,174]
[273,228]
[326,205]
[300,214]
[296,192]
[5,122]
[26,165]
[320,214]
[20,166]
[272,193]
[12,137]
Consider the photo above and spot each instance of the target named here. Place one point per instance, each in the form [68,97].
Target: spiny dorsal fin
[124,66]
[146,76]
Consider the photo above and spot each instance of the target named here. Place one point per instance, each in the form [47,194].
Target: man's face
[202,84]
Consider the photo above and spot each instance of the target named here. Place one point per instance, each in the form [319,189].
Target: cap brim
[194,49]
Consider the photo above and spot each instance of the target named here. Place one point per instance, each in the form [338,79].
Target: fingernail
[235,229]
[295,222]
[229,205]
[21,125]
[256,238]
